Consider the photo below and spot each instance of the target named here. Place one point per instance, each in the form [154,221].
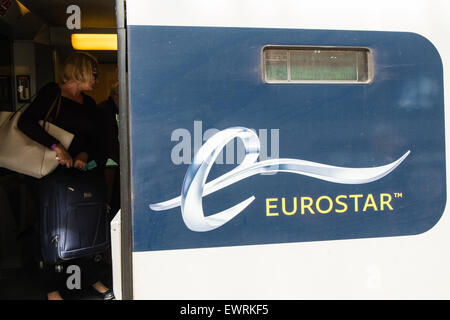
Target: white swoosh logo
[195,186]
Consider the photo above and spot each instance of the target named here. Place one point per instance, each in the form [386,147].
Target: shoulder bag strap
[21,107]
[56,101]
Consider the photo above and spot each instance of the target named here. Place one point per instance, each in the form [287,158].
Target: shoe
[108,295]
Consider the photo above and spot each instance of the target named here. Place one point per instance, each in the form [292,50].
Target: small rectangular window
[317,65]
[276,64]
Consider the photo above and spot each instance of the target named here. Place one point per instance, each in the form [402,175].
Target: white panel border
[410,267]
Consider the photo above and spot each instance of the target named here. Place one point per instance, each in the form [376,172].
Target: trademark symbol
[398,195]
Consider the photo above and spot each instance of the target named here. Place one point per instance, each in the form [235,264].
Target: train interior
[35,37]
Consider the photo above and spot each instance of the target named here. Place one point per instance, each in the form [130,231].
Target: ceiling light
[91,41]
[23,10]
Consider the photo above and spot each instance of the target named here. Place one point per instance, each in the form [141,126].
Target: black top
[79,119]
[109,130]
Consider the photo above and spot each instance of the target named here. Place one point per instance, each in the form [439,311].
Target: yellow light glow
[23,10]
[91,41]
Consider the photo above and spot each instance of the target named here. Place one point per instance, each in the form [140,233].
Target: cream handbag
[22,154]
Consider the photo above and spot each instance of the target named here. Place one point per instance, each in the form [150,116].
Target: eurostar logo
[195,187]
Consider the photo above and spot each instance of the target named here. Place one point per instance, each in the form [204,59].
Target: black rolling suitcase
[73,215]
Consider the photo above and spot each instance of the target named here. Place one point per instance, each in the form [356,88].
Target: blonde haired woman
[79,74]
[77,115]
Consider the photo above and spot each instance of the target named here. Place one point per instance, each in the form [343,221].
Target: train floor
[27,284]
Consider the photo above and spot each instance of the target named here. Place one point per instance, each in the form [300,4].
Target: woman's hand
[80,161]
[63,157]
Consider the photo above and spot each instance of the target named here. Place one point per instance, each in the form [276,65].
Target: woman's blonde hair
[79,66]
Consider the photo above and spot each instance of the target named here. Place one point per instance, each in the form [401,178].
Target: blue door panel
[194,79]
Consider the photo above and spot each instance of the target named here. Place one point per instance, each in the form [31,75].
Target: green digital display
[316,64]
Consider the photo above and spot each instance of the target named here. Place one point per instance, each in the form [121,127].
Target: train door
[284,150]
